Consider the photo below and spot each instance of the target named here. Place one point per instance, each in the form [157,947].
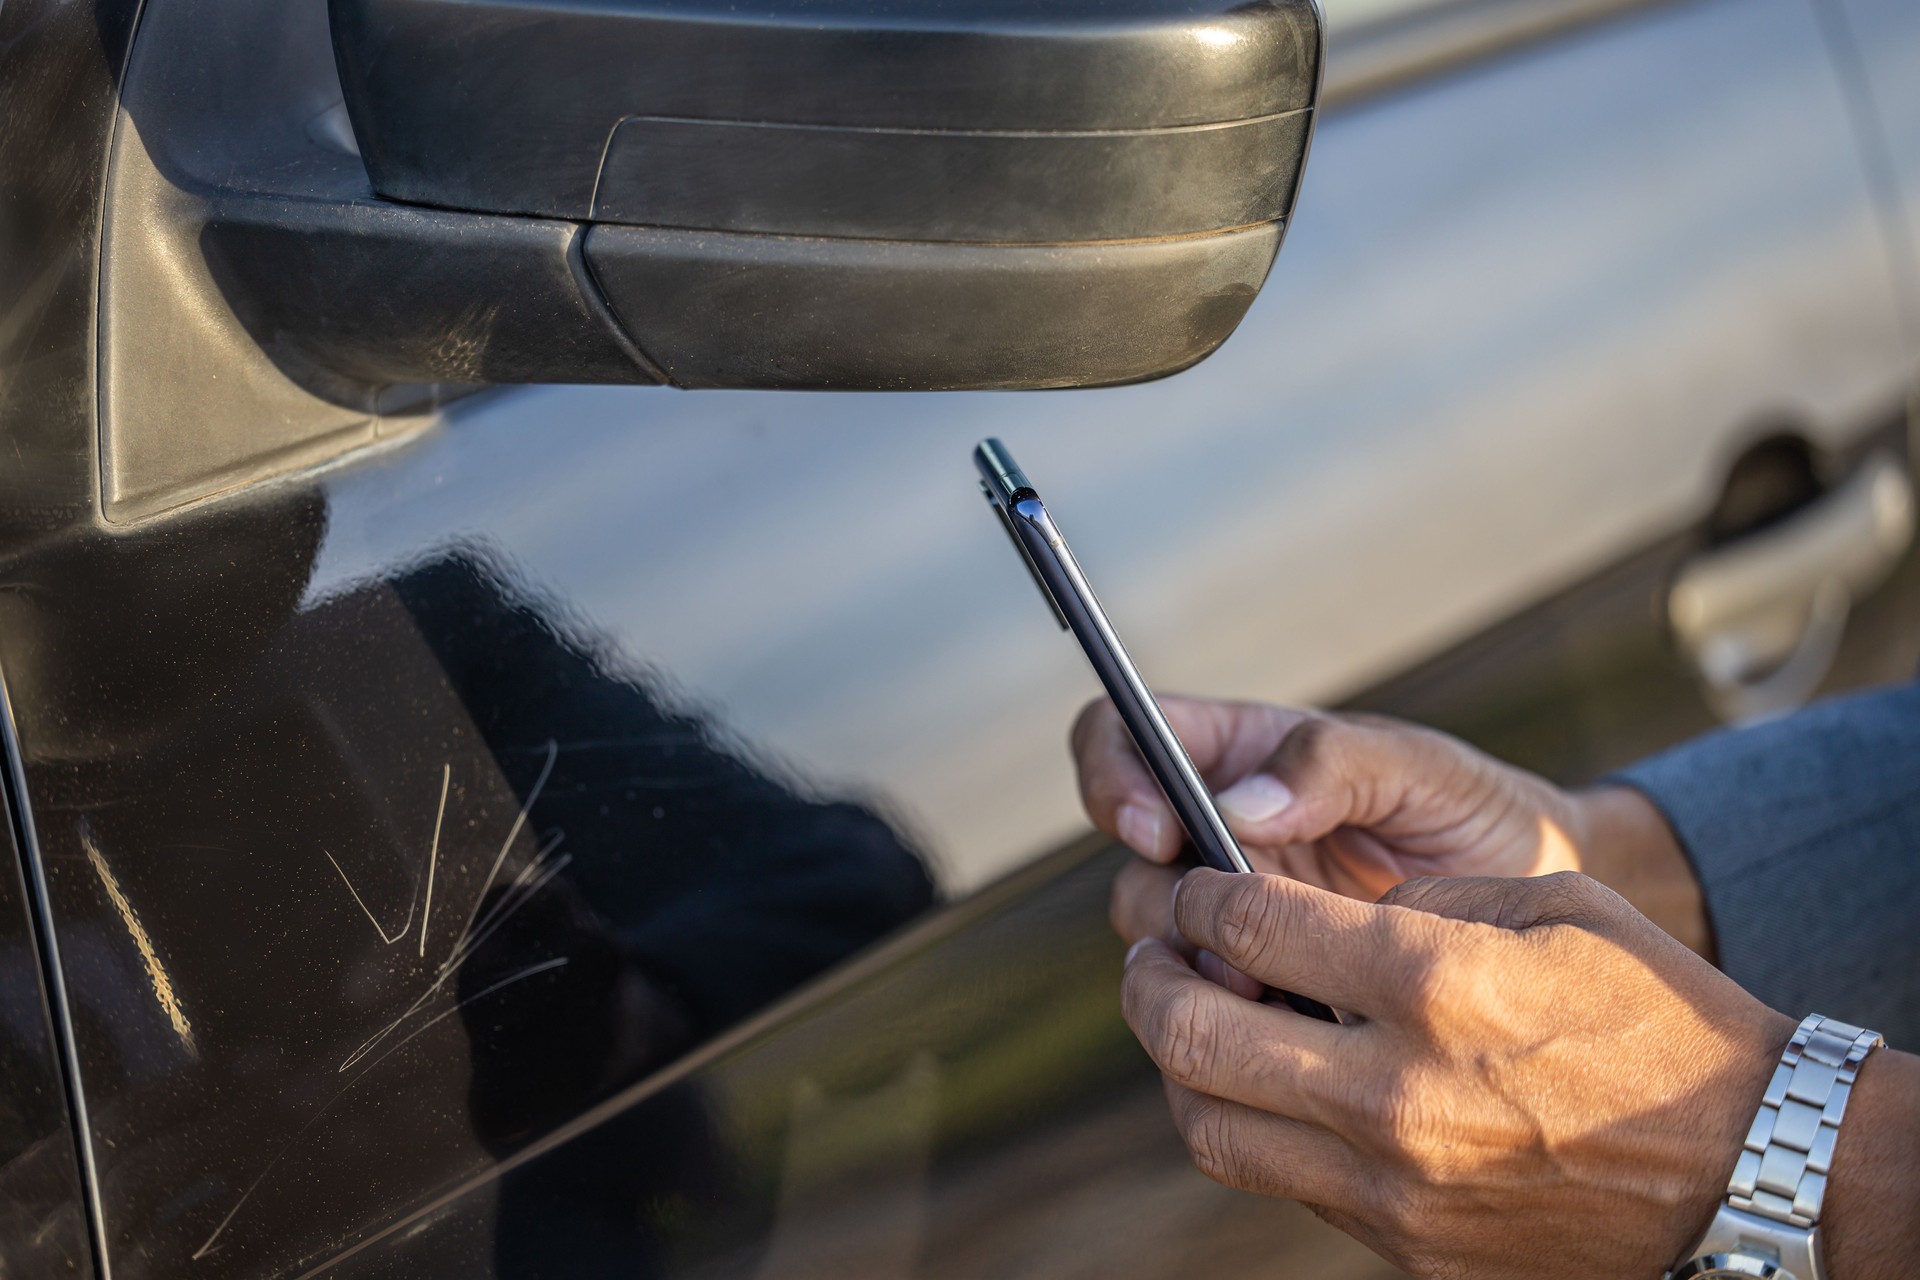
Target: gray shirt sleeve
[1805,834]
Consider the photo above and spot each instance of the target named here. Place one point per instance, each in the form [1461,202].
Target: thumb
[1517,903]
[1337,771]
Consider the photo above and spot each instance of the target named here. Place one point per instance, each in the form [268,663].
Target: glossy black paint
[60,61]
[43,1220]
[549,882]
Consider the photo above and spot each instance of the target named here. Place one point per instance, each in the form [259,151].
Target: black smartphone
[1077,609]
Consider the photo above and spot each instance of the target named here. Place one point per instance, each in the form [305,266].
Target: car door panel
[538,819]
[43,1219]
[1879,42]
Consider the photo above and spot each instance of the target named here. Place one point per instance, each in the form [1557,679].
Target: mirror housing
[324,217]
[863,194]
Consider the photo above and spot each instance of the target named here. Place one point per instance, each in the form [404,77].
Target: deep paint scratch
[539,785]
[433,854]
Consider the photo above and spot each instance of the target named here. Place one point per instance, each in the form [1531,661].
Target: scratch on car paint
[518,976]
[433,851]
[533,877]
[539,785]
[519,892]
[156,972]
[385,937]
[433,854]
[477,929]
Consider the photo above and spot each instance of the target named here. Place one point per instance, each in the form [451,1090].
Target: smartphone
[1061,581]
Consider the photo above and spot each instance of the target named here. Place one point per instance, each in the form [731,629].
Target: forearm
[1871,1219]
[1626,844]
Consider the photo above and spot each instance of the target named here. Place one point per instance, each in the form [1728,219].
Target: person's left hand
[1352,803]
[1537,1079]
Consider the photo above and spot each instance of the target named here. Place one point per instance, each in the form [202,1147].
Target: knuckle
[1388,1114]
[1188,1043]
[1309,748]
[1413,893]
[1586,895]
[1445,977]
[1401,1221]
[1251,918]
[1426,1264]
[1412,961]
[1396,1216]
[1210,1142]
[1135,998]
[1457,988]
[1567,897]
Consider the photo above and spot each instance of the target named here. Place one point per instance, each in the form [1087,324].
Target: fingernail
[1134,950]
[1139,828]
[1255,798]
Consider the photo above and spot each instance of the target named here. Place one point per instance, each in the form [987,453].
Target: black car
[479,811]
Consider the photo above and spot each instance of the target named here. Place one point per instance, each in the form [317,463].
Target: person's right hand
[1357,804]
[1536,1080]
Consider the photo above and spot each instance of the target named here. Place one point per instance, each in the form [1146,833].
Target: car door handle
[1761,618]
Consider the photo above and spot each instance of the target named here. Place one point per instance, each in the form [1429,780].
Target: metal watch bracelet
[1780,1180]
[1782,1172]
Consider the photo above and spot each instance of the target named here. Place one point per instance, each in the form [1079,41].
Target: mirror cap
[978,120]
[864,194]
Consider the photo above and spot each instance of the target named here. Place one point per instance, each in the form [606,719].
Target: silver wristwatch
[1769,1227]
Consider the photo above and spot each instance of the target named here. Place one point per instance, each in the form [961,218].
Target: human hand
[1537,1079]
[1357,804]
[1351,803]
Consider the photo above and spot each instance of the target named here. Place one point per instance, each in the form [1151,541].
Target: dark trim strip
[1374,57]
[40,905]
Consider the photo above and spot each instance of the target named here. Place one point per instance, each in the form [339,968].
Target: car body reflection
[552,884]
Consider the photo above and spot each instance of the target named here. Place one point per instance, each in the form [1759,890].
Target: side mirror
[324,213]
[857,193]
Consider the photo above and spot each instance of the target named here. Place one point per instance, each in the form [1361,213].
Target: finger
[1118,792]
[1141,905]
[1566,897]
[1296,937]
[1226,741]
[1206,1038]
[1221,974]
[1335,771]
[1256,1151]
[1349,862]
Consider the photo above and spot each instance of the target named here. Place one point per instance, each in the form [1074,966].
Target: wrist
[1625,843]
[1825,1183]
[1870,1225]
